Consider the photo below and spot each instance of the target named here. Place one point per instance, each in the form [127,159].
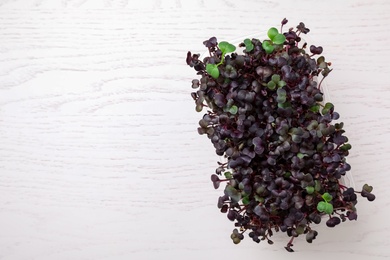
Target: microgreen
[275,38]
[212,69]
[248,45]
[225,48]
[325,206]
[266,116]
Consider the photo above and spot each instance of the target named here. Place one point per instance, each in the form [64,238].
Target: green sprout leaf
[259,199]
[281,84]
[345,147]
[321,206]
[228,175]
[212,69]
[226,47]
[327,197]
[279,39]
[272,32]
[246,200]
[310,189]
[301,155]
[232,193]
[367,188]
[328,208]
[315,108]
[320,60]
[284,105]
[275,36]
[233,110]
[268,47]
[325,72]
[271,85]
[275,78]
[323,65]
[248,45]
[327,108]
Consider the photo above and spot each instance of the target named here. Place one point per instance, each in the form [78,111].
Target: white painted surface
[99,154]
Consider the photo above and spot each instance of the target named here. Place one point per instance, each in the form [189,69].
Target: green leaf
[248,45]
[329,105]
[268,47]
[325,111]
[259,199]
[246,200]
[272,32]
[323,65]
[279,39]
[284,105]
[328,208]
[320,60]
[321,206]
[327,108]
[232,193]
[233,110]
[301,155]
[275,78]
[367,188]
[212,69]
[345,147]
[326,72]
[226,47]
[271,85]
[310,189]
[228,175]
[315,108]
[281,84]
[327,197]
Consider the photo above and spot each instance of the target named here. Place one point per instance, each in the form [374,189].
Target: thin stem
[290,243]
[319,85]
[342,186]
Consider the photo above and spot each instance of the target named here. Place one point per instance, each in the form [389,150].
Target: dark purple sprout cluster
[285,156]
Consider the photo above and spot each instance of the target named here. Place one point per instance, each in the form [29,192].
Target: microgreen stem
[342,186]
[290,243]
[319,85]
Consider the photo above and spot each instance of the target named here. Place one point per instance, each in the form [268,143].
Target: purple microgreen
[265,113]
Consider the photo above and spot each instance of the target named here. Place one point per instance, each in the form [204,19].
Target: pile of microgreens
[285,158]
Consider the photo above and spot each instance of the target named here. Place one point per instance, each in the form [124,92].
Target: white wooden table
[100,157]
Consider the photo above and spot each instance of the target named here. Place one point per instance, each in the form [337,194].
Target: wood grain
[99,155]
